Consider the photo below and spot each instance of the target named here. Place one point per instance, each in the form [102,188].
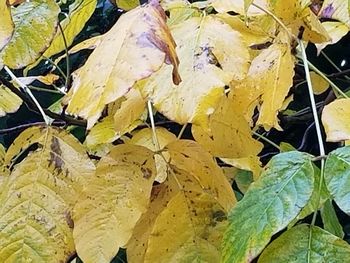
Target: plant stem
[67,59]
[182,131]
[28,91]
[155,138]
[317,125]
[262,137]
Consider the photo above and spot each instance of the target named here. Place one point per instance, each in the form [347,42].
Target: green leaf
[330,220]
[305,243]
[9,102]
[269,205]
[35,26]
[337,177]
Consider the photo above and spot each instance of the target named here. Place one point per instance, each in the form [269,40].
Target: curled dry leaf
[137,45]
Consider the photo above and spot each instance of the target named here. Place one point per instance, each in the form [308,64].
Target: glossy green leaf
[305,243]
[270,203]
[337,177]
[330,220]
[79,13]
[35,26]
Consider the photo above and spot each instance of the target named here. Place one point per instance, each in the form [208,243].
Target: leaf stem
[155,138]
[182,131]
[28,91]
[317,125]
[262,137]
[67,59]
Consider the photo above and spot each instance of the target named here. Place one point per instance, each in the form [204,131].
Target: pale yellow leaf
[9,102]
[336,30]
[2,154]
[48,79]
[319,84]
[113,202]
[314,29]
[6,24]
[35,26]
[144,138]
[38,197]
[179,11]
[334,120]
[190,156]
[136,46]
[208,62]
[336,10]
[229,134]
[125,116]
[240,6]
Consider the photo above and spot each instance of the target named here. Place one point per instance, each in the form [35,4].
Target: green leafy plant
[101,173]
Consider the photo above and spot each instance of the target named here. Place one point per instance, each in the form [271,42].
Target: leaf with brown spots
[38,196]
[137,45]
[113,201]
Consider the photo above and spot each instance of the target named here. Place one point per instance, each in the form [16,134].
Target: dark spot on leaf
[55,155]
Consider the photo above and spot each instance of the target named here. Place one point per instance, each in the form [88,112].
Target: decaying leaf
[208,62]
[112,203]
[38,197]
[333,120]
[35,25]
[9,102]
[133,49]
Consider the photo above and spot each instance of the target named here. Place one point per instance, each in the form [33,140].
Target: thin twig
[27,125]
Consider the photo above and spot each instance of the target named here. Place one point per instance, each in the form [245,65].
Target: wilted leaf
[319,84]
[208,62]
[35,25]
[268,206]
[330,220]
[305,243]
[228,134]
[9,102]
[38,196]
[112,203]
[336,30]
[133,49]
[144,138]
[337,177]
[333,120]
[190,156]
[6,24]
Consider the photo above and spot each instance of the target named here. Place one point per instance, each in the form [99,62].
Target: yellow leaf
[113,202]
[270,76]
[336,30]
[125,116]
[208,62]
[240,6]
[144,138]
[6,24]
[336,127]
[2,154]
[251,163]
[229,134]
[319,84]
[38,196]
[127,4]
[138,244]
[179,11]
[79,13]
[9,102]
[133,49]
[314,30]
[31,35]
[259,30]
[191,157]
